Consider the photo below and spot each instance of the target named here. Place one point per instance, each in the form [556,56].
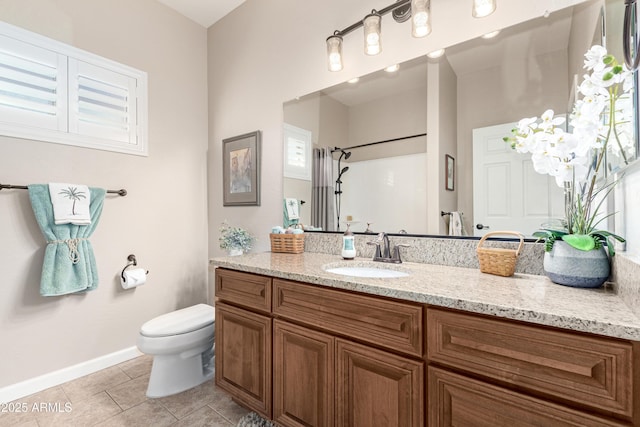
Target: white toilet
[181,343]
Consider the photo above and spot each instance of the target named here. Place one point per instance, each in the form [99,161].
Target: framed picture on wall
[241,170]
[449,172]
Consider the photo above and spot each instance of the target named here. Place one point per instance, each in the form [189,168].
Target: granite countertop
[524,297]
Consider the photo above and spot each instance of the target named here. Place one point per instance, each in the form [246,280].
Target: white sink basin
[365,271]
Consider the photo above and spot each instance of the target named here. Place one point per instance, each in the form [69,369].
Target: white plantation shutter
[32,86]
[102,103]
[50,91]
[297,152]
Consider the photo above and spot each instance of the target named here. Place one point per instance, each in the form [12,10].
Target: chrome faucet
[384,254]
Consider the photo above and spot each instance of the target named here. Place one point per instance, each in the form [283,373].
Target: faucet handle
[396,251]
[378,254]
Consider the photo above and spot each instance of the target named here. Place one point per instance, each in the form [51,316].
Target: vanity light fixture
[418,10]
[482,8]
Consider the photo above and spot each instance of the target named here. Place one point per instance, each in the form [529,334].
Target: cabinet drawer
[455,400]
[386,323]
[245,289]
[591,372]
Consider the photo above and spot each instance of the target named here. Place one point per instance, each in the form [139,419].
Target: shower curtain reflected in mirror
[322,189]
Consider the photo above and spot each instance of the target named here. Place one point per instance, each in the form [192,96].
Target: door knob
[480,226]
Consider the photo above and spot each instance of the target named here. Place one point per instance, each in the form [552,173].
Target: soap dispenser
[348,244]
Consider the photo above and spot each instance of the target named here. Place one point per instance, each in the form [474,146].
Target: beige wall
[162,220]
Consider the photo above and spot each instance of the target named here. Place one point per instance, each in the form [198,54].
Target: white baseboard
[52,379]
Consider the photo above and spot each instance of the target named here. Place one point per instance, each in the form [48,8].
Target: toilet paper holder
[132,261]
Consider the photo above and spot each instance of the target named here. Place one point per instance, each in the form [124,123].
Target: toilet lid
[180,321]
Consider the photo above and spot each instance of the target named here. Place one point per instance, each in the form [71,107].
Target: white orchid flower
[594,58]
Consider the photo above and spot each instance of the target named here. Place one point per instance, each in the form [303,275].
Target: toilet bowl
[181,343]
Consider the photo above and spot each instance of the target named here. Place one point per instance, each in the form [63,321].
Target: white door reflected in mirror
[508,194]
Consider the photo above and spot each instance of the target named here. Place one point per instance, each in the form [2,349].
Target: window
[297,153]
[53,92]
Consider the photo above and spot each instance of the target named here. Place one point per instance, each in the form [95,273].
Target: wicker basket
[287,243]
[498,261]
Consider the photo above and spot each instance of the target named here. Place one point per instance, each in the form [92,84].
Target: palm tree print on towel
[72,193]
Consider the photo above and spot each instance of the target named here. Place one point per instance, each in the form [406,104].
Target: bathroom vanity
[442,346]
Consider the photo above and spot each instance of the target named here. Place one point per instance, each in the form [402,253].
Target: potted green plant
[235,240]
[601,124]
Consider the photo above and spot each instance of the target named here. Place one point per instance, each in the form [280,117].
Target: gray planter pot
[566,265]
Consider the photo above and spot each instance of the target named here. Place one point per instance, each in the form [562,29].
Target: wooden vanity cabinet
[307,355]
[243,336]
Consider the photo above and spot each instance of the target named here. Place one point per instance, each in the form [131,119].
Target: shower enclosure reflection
[338,191]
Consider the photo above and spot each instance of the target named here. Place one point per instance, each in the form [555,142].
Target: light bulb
[334,53]
[371,24]
[482,8]
[420,18]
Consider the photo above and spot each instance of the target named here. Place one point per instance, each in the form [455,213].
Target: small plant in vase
[602,124]
[235,240]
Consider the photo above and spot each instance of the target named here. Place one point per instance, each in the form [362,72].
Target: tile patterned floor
[116,397]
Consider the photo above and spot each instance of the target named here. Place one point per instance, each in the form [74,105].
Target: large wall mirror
[375,132]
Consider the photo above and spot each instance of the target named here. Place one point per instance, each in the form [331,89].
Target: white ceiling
[204,12]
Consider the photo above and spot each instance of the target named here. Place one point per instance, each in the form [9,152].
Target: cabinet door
[377,389]
[243,356]
[455,400]
[303,373]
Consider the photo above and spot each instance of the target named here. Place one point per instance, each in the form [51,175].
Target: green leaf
[542,234]
[583,242]
[608,237]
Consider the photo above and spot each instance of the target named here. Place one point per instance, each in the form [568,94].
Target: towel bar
[122,192]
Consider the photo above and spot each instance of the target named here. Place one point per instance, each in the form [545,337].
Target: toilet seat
[179,322]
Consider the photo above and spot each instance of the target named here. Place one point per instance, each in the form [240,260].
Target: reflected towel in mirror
[456,226]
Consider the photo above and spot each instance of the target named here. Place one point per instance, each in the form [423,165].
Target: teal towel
[69,265]
[286,222]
